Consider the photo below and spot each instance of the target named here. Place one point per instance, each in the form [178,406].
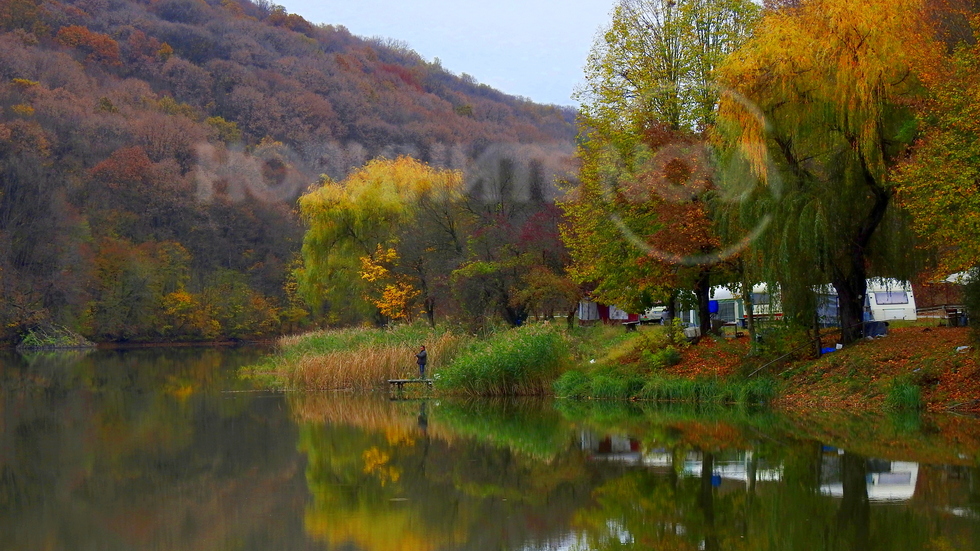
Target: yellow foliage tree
[378,208]
[391,293]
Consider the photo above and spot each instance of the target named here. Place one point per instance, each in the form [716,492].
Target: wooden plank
[402,382]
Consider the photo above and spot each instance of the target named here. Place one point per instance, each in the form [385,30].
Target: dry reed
[367,366]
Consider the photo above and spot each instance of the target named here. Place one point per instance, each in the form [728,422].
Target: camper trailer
[890,299]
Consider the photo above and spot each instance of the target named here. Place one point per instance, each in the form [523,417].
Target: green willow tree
[402,210]
[818,109]
[638,227]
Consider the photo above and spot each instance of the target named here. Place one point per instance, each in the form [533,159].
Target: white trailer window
[891,297]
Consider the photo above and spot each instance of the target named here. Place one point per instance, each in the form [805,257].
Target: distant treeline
[151,154]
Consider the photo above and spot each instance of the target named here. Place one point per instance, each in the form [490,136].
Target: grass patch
[573,384]
[606,385]
[606,344]
[903,395]
[518,362]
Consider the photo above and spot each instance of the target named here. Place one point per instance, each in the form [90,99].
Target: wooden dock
[400,383]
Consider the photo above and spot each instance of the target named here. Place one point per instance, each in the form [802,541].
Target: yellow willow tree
[399,214]
[818,106]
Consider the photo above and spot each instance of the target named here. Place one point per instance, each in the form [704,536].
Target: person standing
[422,358]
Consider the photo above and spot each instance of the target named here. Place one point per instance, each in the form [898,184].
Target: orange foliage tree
[99,47]
[937,184]
[638,229]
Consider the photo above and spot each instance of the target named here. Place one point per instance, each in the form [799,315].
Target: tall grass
[903,395]
[357,358]
[661,388]
[517,362]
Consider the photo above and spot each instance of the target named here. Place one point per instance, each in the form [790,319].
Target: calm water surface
[169,449]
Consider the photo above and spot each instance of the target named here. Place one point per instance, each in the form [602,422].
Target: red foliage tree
[101,48]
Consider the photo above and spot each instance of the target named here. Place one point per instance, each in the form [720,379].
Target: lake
[170,449]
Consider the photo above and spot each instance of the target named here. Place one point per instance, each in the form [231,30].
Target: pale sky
[531,48]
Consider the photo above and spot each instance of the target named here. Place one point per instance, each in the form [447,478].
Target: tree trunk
[706,500]
[853,517]
[850,297]
[851,282]
[702,289]
[749,311]
[672,308]
[430,311]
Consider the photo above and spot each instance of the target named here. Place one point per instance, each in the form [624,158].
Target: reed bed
[358,359]
[517,362]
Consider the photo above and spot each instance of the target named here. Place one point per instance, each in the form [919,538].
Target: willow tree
[377,241]
[818,108]
[638,229]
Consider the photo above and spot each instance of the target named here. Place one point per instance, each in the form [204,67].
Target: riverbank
[912,368]
[938,363]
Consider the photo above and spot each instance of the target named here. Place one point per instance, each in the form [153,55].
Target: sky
[531,48]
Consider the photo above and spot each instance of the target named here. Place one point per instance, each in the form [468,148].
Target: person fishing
[422,358]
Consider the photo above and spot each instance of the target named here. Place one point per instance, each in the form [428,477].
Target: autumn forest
[151,156]
[197,170]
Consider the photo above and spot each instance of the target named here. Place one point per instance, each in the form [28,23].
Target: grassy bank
[913,368]
[916,367]
[658,364]
[519,361]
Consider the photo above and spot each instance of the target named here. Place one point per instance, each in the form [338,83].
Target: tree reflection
[436,477]
[853,516]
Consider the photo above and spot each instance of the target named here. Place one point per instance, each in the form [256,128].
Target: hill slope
[151,152]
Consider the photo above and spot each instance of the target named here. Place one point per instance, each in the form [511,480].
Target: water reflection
[143,450]
[171,450]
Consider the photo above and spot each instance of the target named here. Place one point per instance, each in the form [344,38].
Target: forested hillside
[151,155]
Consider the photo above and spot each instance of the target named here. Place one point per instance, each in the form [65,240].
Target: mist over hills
[149,149]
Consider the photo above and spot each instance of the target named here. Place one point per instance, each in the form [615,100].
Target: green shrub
[52,337]
[661,359]
[520,361]
[674,332]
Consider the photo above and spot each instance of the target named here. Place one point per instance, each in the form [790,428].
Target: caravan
[887,299]
[890,299]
